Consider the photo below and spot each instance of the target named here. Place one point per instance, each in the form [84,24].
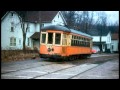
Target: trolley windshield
[50,38]
[54,38]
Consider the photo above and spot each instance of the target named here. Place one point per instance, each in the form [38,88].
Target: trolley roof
[62,28]
[81,33]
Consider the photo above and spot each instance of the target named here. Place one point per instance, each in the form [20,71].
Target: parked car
[94,51]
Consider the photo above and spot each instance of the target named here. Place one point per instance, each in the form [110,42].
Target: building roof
[96,32]
[63,17]
[34,16]
[98,43]
[63,28]
[115,36]
[36,35]
[37,16]
[4,14]
[45,16]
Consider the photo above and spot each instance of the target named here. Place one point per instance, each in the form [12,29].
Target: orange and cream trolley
[62,42]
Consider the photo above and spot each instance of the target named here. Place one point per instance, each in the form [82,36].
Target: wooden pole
[40,21]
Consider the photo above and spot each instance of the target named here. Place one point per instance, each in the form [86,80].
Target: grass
[16,55]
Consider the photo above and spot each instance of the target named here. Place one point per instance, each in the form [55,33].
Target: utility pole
[100,41]
[40,21]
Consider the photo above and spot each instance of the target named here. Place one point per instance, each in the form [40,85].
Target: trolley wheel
[71,58]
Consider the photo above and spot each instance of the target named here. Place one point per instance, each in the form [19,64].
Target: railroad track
[98,64]
[96,61]
[57,72]
[29,67]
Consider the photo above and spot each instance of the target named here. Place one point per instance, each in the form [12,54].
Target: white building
[115,42]
[105,40]
[11,32]
[47,18]
[12,37]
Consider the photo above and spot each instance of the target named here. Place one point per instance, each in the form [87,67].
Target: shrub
[36,49]
[27,48]
[11,55]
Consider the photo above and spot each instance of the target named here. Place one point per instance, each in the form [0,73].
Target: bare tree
[24,26]
[70,18]
[84,20]
[79,20]
[101,25]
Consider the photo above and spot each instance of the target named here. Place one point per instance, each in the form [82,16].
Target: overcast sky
[113,16]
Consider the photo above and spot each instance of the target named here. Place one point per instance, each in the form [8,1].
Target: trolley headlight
[52,49]
[49,49]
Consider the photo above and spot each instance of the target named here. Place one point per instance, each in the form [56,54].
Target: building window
[108,39]
[57,38]
[12,14]
[12,29]
[42,25]
[12,26]
[28,41]
[19,41]
[108,46]
[12,41]
[28,29]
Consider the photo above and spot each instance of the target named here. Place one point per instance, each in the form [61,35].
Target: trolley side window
[80,41]
[72,40]
[87,42]
[50,38]
[57,38]
[43,38]
[64,40]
